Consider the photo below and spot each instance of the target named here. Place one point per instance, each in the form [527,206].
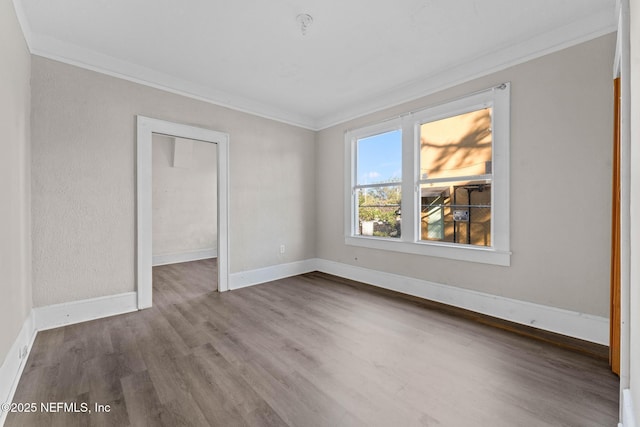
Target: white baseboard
[15,361]
[566,322]
[54,316]
[570,323]
[628,413]
[268,274]
[175,258]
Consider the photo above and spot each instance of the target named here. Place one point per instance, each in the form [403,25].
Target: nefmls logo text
[81,407]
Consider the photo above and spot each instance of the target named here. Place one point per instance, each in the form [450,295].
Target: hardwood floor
[306,351]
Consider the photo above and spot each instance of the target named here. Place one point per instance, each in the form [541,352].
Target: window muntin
[378,185]
[474,163]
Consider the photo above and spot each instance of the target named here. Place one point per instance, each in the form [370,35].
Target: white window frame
[498,253]
[388,126]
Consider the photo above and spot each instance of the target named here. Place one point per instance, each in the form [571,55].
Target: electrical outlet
[282,249]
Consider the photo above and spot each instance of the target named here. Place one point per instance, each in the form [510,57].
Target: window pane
[456,212]
[456,146]
[379,211]
[379,158]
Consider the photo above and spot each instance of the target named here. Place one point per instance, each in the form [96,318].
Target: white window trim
[351,166]
[409,242]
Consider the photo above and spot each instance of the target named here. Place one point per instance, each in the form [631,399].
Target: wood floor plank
[207,394]
[143,405]
[253,409]
[309,350]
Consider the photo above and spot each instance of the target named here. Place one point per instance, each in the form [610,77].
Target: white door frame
[146,128]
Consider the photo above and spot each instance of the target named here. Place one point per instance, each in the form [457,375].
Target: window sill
[434,249]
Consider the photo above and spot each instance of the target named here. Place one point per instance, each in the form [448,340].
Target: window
[378,185]
[434,182]
[455,158]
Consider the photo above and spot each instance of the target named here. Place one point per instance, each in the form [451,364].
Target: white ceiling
[358,56]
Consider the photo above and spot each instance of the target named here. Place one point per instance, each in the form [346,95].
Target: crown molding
[593,26]
[48,47]
[23,22]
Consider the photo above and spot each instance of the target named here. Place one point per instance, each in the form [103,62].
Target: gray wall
[83,146]
[561,106]
[184,196]
[15,239]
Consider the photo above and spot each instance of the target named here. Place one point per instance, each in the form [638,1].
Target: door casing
[146,127]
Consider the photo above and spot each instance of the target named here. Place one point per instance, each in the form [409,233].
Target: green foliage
[381,204]
[369,214]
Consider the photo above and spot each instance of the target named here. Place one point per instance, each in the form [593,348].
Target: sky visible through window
[380,158]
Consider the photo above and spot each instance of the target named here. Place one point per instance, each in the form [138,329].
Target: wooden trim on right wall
[614,323]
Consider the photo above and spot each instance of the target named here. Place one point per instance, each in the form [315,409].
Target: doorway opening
[184,218]
[149,129]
